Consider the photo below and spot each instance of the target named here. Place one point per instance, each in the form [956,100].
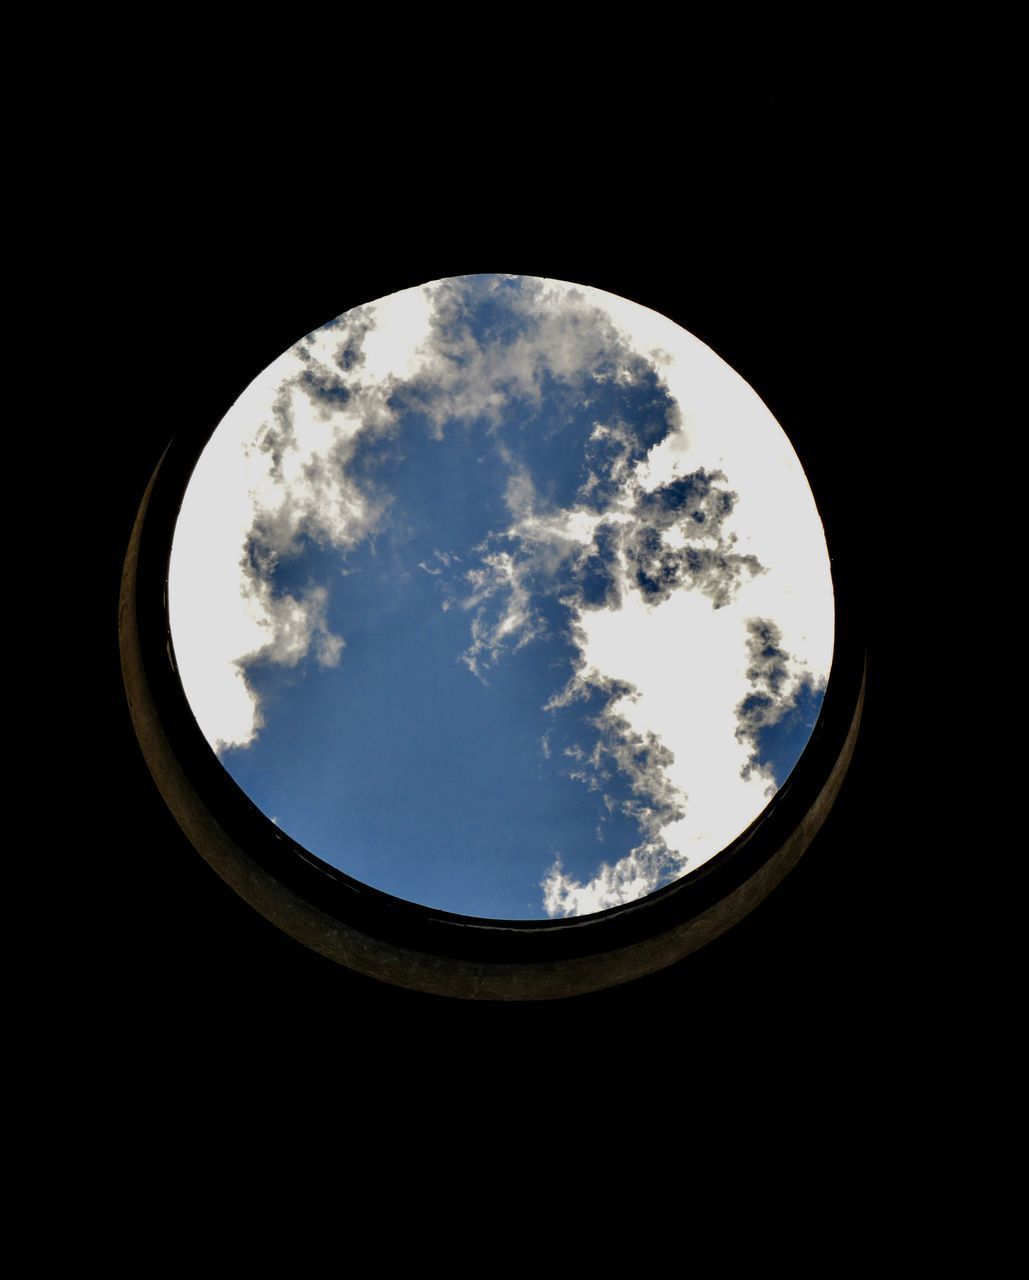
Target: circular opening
[508,603]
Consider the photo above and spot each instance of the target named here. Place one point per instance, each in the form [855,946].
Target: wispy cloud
[517,622]
[654,803]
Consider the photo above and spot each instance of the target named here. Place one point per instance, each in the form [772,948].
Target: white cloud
[272,474]
[460,378]
[686,660]
[634,876]
[277,471]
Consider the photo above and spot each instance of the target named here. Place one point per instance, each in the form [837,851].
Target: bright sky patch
[503,595]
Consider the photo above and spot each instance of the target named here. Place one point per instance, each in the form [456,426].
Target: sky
[503,595]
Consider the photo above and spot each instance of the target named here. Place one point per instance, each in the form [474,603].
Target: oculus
[494,612]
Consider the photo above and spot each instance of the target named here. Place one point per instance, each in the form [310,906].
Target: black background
[203,278]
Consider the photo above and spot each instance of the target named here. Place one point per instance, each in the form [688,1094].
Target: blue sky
[435,555]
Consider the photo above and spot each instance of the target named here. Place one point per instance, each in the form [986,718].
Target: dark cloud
[660,570]
[696,507]
[327,390]
[779,686]
[278,435]
[769,662]
[350,352]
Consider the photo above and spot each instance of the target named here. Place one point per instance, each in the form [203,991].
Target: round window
[490,643]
